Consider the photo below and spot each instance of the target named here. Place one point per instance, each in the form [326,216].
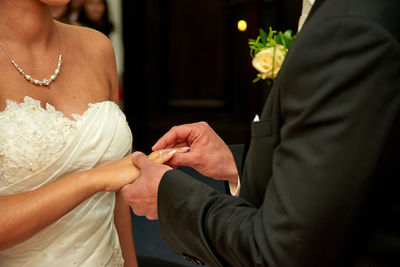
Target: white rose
[263,60]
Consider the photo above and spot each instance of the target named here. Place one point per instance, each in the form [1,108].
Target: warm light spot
[242,25]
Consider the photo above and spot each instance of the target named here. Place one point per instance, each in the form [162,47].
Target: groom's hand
[208,153]
[142,194]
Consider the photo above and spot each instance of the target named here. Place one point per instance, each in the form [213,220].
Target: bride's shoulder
[86,40]
[91,50]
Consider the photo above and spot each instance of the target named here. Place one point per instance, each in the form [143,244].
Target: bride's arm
[24,214]
[122,220]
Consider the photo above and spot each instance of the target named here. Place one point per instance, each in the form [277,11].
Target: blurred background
[181,61]
[187,61]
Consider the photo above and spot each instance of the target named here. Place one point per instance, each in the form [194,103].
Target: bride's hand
[114,175]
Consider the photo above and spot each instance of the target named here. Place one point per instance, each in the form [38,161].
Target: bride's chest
[31,137]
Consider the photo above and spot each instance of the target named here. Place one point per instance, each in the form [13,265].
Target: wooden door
[186,61]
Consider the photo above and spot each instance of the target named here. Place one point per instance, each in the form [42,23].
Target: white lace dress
[39,146]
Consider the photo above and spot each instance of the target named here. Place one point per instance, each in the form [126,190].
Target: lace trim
[32,137]
[28,101]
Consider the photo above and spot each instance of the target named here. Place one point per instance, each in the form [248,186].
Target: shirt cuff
[235,188]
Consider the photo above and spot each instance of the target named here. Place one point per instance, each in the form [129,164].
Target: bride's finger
[163,155]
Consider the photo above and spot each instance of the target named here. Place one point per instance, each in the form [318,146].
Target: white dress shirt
[307,4]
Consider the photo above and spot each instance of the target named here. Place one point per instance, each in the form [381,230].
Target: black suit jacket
[320,182]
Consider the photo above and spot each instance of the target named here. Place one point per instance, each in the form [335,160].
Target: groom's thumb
[139,159]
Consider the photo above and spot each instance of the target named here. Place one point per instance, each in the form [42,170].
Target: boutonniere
[268,52]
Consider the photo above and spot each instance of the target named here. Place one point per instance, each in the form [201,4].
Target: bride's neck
[26,23]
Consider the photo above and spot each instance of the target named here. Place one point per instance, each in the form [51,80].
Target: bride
[64,144]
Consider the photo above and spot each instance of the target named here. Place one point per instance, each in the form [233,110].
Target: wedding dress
[39,146]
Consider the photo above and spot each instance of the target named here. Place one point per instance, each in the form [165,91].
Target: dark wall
[186,61]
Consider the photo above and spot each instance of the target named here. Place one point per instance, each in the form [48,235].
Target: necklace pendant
[46,82]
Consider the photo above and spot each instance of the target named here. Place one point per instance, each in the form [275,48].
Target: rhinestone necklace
[45,81]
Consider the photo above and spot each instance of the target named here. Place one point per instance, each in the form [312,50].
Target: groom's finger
[152,216]
[184,159]
[176,135]
[167,140]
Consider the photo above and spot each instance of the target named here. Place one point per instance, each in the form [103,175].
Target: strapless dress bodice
[32,137]
[41,145]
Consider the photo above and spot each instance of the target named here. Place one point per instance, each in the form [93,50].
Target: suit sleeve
[339,98]
[237,152]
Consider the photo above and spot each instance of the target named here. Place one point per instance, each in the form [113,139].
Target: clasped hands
[194,145]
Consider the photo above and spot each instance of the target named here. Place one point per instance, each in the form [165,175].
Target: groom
[319,184]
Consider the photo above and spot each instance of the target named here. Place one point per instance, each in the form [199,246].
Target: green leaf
[253,52]
[289,43]
[256,79]
[260,45]
[279,39]
[263,36]
[284,40]
[288,33]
